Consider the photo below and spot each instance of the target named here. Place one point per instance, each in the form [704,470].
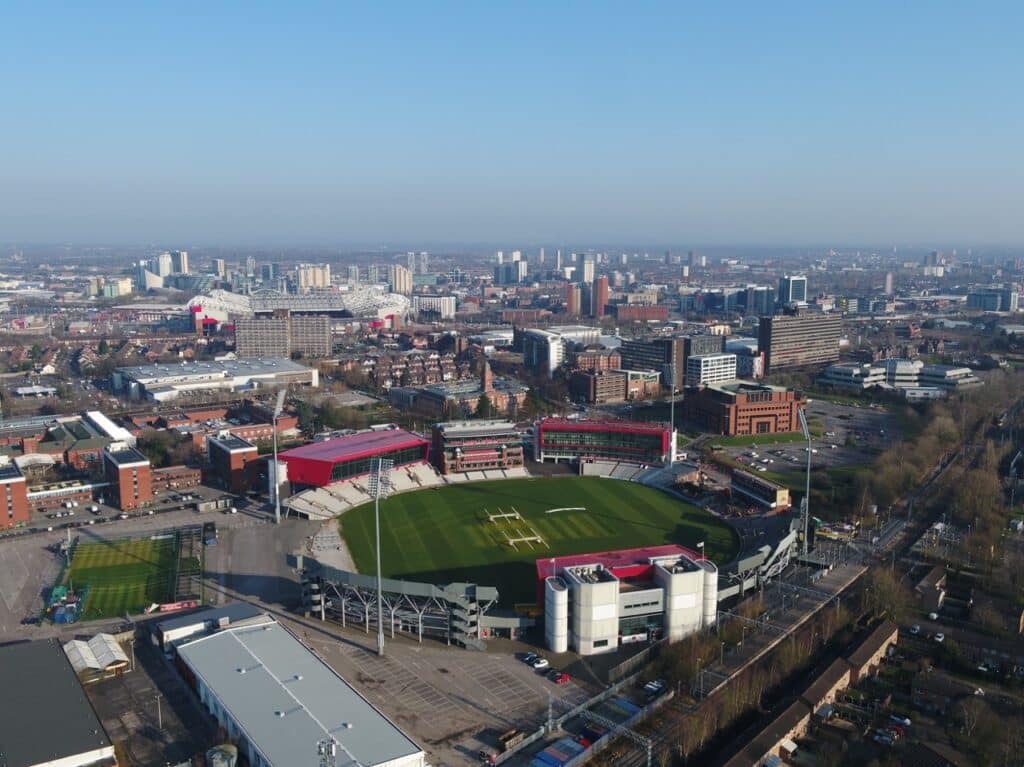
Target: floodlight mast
[379,485]
[672,420]
[805,507]
[277,484]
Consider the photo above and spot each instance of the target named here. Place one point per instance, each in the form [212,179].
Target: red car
[561,678]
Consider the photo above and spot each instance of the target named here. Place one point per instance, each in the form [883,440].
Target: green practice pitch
[454,534]
[123,576]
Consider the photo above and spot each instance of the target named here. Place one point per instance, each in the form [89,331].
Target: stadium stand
[334,499]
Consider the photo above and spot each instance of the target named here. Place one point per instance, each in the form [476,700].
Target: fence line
[628,666]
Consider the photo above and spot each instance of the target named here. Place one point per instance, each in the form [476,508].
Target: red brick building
[13,494]
[234,462]
[130,475]
[640,313]
[598,386]
[173,478]
[598,359]
[744,408]
[599,296]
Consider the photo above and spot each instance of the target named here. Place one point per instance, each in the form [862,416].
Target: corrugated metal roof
[98,654]
[286,699]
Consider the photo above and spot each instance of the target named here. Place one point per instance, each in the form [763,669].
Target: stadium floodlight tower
[277,480]
[805,506]
[379,485]
[672,420]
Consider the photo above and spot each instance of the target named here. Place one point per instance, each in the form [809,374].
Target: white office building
[853,376]
[707,369]
[443,306]
[902,373]
[546,349]
[947,377]
[595,603]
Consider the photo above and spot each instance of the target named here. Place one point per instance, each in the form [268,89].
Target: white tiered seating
[401,482]
[307,509]
[427,475]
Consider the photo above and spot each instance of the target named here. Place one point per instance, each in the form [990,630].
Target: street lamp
[672,419]
[806,505]
[277,483]
[380,484]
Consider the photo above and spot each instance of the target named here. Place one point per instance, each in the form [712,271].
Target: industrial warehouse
[278,701]
[161,382]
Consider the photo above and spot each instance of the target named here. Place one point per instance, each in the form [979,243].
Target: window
[600,643]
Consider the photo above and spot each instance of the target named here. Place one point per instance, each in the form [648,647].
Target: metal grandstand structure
[450,613]
[358,302]
[223,303]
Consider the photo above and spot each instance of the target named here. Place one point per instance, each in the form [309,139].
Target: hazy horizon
[405,126]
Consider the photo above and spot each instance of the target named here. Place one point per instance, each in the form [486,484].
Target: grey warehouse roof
[233,612]
[221,368]
[285,699]
[49,717]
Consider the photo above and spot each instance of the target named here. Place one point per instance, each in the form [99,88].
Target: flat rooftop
[234,612]
[472,428]
[285,699]
[49,717]
[230,441]
[612,559]
[10,471]
[354,446]
[742,387]
[206,369]
[125,455]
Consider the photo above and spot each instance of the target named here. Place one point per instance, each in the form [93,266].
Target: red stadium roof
[311,464]
[611,560]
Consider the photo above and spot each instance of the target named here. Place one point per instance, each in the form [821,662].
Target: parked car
[540,663]
[529,658]
[561,678]
[915,630]
[899,720]
[654,687]
[940,637]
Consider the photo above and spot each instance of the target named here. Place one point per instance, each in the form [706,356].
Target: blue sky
[759,123]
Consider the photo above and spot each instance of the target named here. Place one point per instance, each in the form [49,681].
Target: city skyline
[362,126]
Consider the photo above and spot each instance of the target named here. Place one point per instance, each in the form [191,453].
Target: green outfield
[123,575]
[446,535]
